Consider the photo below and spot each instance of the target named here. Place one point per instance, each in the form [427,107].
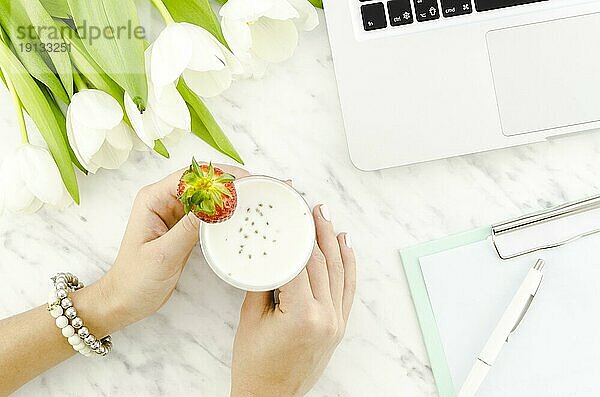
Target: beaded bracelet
[62,310]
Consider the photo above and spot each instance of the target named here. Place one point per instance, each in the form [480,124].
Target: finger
[318,276]
[181,239]
[296,292]
[329,246]
[258,303]
[349,273]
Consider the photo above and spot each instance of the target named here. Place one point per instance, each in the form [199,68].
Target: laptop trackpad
[547,75]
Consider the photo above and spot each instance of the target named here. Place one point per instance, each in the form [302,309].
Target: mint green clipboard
[412,267]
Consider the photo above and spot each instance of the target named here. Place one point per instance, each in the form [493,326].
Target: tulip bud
[97,132]
[29,178]
[262,32]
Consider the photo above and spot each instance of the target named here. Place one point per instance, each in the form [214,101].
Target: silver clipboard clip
[579,208]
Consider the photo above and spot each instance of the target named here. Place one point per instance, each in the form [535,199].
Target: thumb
[182,238]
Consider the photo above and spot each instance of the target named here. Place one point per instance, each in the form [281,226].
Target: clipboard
[535,233]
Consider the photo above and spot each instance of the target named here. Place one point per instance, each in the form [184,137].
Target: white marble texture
[287,125]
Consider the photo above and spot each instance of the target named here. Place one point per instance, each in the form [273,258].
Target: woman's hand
[156,247]
[282,349]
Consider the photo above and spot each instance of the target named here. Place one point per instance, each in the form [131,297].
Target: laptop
[421,80]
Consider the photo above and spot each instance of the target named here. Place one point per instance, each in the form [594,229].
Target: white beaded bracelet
[62,310]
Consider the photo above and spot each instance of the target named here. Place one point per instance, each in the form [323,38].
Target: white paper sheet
[555,351]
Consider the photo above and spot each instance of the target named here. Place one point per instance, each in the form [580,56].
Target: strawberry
[208,192]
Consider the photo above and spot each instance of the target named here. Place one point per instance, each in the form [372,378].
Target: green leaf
[86,65]
[161,149]
[120,54]
[27,45]
[49,34]
[317,3]
[62,123]
[204,125]
[57,8]
[39,109]
[197,12]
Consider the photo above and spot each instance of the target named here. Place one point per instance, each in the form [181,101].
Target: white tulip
[29,178]
[97,132]
[184,49]
[265,31]
[164,117]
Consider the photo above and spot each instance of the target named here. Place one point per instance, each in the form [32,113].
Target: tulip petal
[281,10]
[40,173]
[17,196]
[238,35]
[110,157]
[273,40]
[244,10]
[208,84]
[171,54]
[88,140]
[206,54]
[171,107]
[73,143]
[64,202]
[120,137]
[96,109]
[156,126]
[137,122]
[173,138]
[308,17]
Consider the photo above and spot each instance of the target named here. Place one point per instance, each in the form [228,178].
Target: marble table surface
[287,125]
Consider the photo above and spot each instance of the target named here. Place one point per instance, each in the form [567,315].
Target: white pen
[508,323]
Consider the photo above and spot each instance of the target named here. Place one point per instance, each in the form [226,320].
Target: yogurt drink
[268,240]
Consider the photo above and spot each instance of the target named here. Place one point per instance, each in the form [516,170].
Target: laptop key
[426,10]
[400,12]
[373,16]
[487,5]
[453,8]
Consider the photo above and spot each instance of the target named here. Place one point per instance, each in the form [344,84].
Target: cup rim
[257,288]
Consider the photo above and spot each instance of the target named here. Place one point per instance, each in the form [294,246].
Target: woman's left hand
[156,247]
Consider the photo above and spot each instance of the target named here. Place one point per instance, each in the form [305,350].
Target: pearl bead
[96,345]
[89,339]
[74,340]
[56,312]
[66,303]
[88,354]
[83,332]
[52,298]
[68,331]
[71,313]
[75,280]
[61,293]
[62,321]
[79,347]
[77,323]
[103,351]
[61,285]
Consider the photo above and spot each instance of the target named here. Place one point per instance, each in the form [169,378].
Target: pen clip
[538,266]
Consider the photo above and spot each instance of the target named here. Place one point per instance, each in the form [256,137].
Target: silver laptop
[421,80]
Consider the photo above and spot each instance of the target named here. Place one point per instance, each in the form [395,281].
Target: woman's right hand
[282,349]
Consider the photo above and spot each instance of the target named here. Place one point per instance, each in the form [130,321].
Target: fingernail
[325,212]
[348,240]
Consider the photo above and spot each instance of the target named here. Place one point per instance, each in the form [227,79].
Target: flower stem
[164,12]
[18,108]
[79,82]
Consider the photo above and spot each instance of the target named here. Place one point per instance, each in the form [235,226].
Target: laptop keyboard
[407,12]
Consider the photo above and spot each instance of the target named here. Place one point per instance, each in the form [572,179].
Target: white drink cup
[268,240]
